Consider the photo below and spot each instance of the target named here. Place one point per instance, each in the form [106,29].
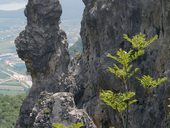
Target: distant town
[13,75]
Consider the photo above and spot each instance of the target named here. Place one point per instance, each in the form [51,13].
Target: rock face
[43,47]
[65,112]
[59,108]
[104,22]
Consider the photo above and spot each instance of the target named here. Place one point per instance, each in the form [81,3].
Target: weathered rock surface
[65,112]
[43,47]
[104,22]
[58,108]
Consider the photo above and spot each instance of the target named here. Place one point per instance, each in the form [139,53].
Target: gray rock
[58,108]
[65,112]
[43,47]
[42,111]
[103,25]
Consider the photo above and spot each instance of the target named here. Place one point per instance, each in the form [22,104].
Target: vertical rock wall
[104,22]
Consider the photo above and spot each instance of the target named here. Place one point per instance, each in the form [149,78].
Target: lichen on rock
[58,108]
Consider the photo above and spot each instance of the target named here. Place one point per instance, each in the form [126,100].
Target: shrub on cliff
[124,69]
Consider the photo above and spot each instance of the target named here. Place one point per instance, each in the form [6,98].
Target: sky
[72,9]
[10,5]
[18,4]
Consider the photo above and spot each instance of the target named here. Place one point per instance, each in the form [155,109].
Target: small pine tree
[124,70]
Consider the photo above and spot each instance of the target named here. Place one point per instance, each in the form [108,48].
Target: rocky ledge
[58,108]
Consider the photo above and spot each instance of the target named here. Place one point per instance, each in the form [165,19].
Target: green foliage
[139,41]
[169,105]
[46,110]
[124,58]
[149,82]
[76,48]
[124,70]
[76,125]
[137,54]
[118,101]
[78,56]
[58,126]
[9,110]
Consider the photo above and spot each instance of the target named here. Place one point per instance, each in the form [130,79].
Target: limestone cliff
[104,22]
[43,47]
